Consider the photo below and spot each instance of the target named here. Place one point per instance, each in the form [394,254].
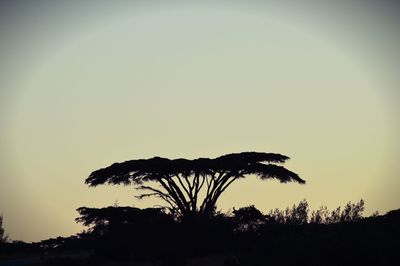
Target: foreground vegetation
[295,236]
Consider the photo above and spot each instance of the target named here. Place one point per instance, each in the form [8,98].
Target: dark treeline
[189,229]
[246,236]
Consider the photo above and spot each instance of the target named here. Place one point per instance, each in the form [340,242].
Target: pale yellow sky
[190,81]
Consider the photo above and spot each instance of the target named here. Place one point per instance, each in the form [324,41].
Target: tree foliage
[299,215]
[248,218]
[182,181]
[102,219]
[123,232]
[341,237]
[350,213]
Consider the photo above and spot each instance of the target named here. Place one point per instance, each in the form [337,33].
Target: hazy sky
[87,84]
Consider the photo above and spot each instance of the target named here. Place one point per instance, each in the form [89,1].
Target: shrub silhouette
[294,236]
[127,232]
[248,218]
[340,237]
[3,236]
[299,214]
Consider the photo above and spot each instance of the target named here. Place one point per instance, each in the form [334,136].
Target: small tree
[297,215]
[248,218]
[123,232]
[182,181]
[352,211]
[3,236]
[101,220]
[320,216]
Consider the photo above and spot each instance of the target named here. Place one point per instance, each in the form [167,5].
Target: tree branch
[216,191]
[173,194]
[210,188]
[179,193]
[188,192]
[171,201]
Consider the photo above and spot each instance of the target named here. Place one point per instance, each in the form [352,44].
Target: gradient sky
[87,84]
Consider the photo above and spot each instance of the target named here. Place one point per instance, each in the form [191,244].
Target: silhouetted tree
[248,218]
[105,218]
[183,180]
[298,214]
[320,216]
[3,236]
[352,211]
[60,243]
[128,232]
[350,240]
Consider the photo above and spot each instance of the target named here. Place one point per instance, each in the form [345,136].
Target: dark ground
[240,240]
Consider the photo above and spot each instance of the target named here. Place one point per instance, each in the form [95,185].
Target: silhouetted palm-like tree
[182,181]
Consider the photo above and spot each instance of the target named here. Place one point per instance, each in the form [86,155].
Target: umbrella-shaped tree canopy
[182,180]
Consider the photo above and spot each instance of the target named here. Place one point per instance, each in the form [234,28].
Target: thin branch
[179,193]
[156,191]
[189,185]
[173,194]
[210,188]
[198,188]
[217,190]
[207,192]
[221,181]
[221,190]
[170,200]
[184,187]
[201,185]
